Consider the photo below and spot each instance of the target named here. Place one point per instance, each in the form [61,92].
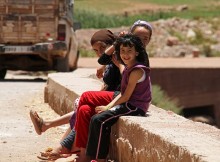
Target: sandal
[53,156]
[49,155]
[37,122]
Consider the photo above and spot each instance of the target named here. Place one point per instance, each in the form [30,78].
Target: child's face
[143,34]
[128,55]
[99,48]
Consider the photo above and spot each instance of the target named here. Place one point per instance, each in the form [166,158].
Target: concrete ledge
[164,136]
[161,136]
[63,88]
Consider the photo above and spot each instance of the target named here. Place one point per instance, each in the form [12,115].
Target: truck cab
[37,35]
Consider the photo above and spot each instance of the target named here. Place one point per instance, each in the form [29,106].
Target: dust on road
[18,140]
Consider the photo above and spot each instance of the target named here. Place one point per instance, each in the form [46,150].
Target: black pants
[100,129]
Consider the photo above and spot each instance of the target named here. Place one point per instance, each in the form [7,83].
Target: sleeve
[104,59]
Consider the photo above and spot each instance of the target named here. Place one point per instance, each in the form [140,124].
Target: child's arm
[106,57]
[135,75]
[100,71]
[110,50]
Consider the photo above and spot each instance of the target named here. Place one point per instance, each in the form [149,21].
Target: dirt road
[18,140]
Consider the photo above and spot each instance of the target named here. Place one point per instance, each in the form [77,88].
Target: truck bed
[28,21]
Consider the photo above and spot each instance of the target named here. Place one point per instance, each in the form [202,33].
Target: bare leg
[57,122]
[101,160]
[60,149]
[74,148]
[65,134]
[82,156]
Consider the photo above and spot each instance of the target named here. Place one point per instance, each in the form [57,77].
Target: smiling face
[143,33]
[128,55]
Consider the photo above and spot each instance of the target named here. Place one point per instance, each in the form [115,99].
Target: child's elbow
[125,98]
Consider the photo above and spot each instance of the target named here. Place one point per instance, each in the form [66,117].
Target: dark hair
[132,41]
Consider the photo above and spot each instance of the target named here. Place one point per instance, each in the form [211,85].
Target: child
[100,40]
[134,99]
[112,76]
[141,28]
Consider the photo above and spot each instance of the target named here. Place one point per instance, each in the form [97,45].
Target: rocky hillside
[174,38]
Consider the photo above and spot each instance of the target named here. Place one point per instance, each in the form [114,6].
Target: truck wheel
[75,62]
[3,73]
[63,64]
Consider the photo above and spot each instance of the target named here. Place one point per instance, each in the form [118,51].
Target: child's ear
[137,53]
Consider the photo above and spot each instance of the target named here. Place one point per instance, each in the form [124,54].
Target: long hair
[130,40]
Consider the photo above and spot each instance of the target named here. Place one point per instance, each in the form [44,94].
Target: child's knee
[96,119]
[85,110]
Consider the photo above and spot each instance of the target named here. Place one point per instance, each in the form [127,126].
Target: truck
[37,35]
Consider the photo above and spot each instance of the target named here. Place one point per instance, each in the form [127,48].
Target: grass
[180,2]
[108,13]
[160,99]
[86,53]
[113,6]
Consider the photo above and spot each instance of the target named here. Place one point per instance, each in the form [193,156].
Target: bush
[160,99]
[86,53]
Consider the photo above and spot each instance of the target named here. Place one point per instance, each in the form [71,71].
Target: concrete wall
[63,88]
[193,87]
[160,136]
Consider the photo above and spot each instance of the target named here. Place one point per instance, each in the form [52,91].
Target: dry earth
[138,8]
[18,139]
[45,111]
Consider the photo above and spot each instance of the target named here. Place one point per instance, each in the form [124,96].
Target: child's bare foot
[101,160]
[82,156]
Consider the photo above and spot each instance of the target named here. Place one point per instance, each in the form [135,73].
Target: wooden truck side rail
[29,21]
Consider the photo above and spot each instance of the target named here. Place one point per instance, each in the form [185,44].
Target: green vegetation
[195,3]
[200,39]
[215,54]
[108,13]
[208,52]
[91,19]
[160,99]
[176,34]
[86,53]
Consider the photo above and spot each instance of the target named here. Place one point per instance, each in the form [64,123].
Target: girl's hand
[100,71]
[100,109]
[121,34]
